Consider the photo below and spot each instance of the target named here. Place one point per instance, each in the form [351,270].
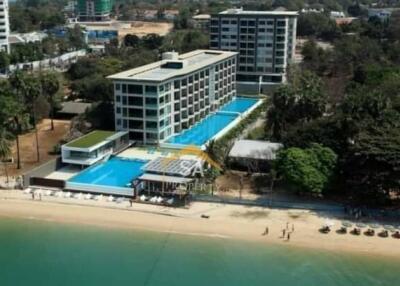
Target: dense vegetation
[348,100]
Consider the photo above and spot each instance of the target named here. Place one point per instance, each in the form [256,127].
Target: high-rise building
[94,10]
[158,100]
[4,26]
[265,41]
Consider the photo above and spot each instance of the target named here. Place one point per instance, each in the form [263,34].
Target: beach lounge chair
[78,196]
[153,199]
[28,191]
[88,196]
[142,198]
[170,201]
[59,194]
[159,200]
[67,195]
[110,198]
[99,198]
[49,193]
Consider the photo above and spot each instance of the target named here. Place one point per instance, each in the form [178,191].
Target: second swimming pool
[206,129]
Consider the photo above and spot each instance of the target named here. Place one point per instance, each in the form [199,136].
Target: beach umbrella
[347,224]
[361,225]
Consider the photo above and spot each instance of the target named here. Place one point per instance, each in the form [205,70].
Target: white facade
[4,26]
[265,41]
[156,101]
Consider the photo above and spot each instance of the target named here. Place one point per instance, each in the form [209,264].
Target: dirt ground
[141,29]
[47,140]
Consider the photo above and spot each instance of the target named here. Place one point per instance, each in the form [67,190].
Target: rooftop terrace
[91,139]
[157,72]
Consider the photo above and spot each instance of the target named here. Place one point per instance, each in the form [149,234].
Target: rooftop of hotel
[191,62]
[91,139]
[271,13]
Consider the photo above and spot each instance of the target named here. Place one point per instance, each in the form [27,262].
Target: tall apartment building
[158,100]
[4,26]
[265,41]
[94,10]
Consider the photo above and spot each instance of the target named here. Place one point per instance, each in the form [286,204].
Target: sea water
[48,253]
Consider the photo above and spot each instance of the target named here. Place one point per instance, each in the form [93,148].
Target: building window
[134,100]
[135,89]
[151,89]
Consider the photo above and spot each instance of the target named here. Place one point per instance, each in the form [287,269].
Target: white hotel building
[265,41]
[158,100]
[4,26]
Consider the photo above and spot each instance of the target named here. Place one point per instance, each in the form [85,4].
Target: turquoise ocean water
[46,253]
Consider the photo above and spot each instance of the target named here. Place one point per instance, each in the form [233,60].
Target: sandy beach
[224,222]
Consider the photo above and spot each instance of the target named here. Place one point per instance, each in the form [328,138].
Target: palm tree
[50,86]
[27,90]
[5,149]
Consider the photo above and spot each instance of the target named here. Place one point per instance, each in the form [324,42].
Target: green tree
[307,170]
[50,85]
[5,149]
[300,101]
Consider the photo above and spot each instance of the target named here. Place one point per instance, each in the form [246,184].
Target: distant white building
[337,14]
[4,26]
[312,10]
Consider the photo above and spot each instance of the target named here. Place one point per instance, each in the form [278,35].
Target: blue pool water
[116,172]
[206,129]
[239,104]
[201,132]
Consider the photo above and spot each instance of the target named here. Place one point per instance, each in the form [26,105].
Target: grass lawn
[91,139]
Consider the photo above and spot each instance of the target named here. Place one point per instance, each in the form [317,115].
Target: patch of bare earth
[47,140]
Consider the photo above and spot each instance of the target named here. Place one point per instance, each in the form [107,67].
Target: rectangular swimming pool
[116,172]
[203,131]
[239,104]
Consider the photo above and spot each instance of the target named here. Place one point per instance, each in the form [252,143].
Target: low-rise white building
[93,147]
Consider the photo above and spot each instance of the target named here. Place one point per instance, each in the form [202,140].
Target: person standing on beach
[288,236]
[283,233]
[287,225]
